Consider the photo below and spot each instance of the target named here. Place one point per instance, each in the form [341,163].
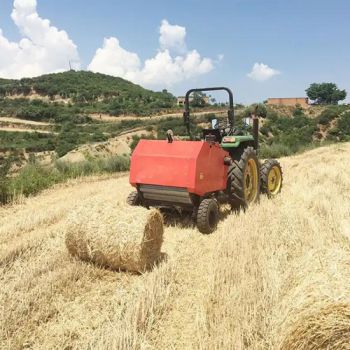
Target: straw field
[274,277]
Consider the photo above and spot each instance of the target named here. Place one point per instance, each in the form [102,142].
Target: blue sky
[301,42]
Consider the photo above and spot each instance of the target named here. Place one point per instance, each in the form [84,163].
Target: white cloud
[45,49]
[42,49]
[172,37]
[164,69]
[114,59]
[262,72]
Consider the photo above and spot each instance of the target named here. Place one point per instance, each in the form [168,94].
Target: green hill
[90,92]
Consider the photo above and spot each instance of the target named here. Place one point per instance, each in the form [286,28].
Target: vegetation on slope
[34,178]
[67,136]
[86,92]
[280,136]
[284,135]
[66,100]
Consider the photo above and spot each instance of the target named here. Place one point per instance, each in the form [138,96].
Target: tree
[198,99]
[325,93]
[258,109]
[298,111]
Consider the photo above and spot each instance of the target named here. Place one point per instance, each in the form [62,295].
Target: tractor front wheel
[207,216]
[271,177]
[133,199]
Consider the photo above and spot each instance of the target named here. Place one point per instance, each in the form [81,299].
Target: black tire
[236,180]
[268,166]
[133,199]
[207,216]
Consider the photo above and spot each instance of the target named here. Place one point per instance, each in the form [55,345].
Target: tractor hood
[196,166]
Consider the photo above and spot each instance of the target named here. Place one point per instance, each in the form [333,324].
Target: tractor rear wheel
[208,216]
[133,199]
[271,177]
[244,179]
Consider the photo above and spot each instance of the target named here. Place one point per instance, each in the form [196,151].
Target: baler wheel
[133,199]
[244,179]
[271,177]
[207,216]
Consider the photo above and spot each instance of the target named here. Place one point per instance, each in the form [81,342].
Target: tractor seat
[212,135]
[238,132]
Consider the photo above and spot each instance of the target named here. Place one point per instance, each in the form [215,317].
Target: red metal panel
[211,173]
[194,165]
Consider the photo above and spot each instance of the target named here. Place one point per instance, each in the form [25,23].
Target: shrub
[177,126]
[272,115]
[34,178]
[136,139]
[93,166]
[344,126]
[265,130]
[259,109]
[328,115]
[275,150]
[298,111]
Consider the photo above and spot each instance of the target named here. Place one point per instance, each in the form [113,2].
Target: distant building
[181,100]
[289,101]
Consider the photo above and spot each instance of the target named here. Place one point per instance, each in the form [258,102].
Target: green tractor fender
[235,141]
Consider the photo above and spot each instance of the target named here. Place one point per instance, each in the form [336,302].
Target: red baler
[177,173]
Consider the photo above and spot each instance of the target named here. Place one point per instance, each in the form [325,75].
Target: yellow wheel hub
[274,180]
[251,181]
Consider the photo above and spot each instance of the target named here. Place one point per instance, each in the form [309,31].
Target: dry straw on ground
[281,275]
[315,311]
[114,236]
[273,277]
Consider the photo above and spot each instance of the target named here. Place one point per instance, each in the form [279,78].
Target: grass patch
[34,178]
[32,142]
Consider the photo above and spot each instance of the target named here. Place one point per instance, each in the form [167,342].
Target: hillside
[88,92]
[52,115]
[285,131]
[60,112]
[41,143]
[273,277]
[76,85]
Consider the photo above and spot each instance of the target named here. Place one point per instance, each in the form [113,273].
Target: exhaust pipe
[256,132]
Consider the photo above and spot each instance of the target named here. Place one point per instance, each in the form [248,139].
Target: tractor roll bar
[230,112]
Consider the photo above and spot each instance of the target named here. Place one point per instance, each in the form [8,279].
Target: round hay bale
[314,311]
[115,236]
[327,328]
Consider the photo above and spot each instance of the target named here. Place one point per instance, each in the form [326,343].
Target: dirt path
[23,121]
[126,136]
[9,129]
[109,118]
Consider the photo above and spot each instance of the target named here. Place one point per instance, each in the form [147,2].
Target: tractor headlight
[229,139]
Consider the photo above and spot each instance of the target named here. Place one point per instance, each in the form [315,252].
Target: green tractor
[247,177]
